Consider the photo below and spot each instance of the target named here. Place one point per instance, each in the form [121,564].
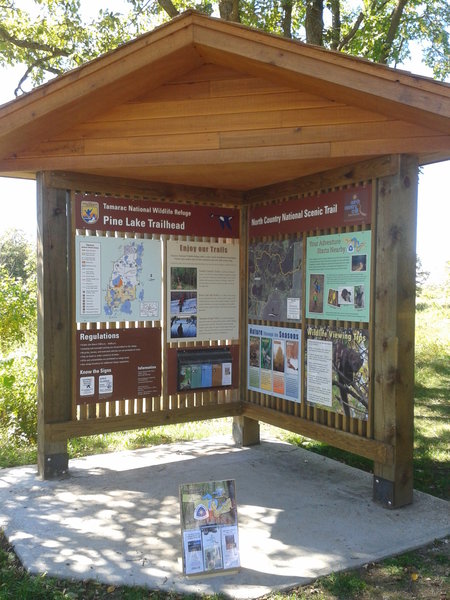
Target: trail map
[275,275]
[118,279]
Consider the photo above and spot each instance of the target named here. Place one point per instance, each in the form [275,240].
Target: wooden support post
[394,331]
[245,431]
[54,324]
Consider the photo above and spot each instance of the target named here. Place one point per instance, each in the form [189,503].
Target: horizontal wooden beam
[320,150]
[234,176]
[69,429]
[97,184]
[214,140]
[372,449]
[211,122]
[347,175]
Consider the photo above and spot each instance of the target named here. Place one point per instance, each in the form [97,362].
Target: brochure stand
[209,528]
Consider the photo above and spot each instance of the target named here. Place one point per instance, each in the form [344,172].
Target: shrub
[18,393]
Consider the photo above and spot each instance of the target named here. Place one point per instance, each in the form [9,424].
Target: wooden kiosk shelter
[272,186]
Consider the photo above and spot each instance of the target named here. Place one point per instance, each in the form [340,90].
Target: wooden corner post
[54,324]
[246,431]
[396,216]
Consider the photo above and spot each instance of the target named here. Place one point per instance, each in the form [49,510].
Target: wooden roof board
[204,102]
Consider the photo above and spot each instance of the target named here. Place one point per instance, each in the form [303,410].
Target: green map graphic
[275,274]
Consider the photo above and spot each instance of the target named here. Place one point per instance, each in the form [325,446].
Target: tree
[55,36]
[18,291]
[17,255]
[421,275]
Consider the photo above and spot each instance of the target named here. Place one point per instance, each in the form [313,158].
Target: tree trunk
[314,22]
[229,10]
[286,22]
[335,6]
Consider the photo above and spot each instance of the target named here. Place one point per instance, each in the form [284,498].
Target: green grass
[420,574]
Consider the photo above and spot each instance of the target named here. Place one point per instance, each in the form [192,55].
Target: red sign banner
[102,213]
[118,364]
[334,209]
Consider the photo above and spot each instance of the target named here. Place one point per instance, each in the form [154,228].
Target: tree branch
[393,29]
[5,36]
[351,34]
[169,8]
[37,63]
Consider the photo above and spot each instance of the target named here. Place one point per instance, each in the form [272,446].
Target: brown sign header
[104,213]
[335,209]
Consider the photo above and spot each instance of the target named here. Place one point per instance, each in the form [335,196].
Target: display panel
[115,364]
[338,276]
[203,291]
[337,370]
[274,361]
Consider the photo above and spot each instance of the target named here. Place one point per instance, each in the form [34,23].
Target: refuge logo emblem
[90,211]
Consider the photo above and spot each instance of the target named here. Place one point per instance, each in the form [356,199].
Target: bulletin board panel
[310,272]
[141,274]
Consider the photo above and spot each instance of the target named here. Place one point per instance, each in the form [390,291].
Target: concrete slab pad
[115,519]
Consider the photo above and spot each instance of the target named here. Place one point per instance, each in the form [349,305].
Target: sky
[433,246]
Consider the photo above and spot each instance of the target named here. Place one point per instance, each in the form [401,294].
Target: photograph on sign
[275,280]
[117,279]
[118,364]
[337,370]
[209,527]
[274,361]
[203,292]
[338,276]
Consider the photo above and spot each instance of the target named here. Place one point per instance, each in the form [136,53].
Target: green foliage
[18,291]
[18,408]
[17,254]
[53,36]
[18,310]
[421,276]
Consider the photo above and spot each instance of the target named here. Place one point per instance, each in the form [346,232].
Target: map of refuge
[118,279]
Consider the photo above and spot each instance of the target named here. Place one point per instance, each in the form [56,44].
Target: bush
[18,397]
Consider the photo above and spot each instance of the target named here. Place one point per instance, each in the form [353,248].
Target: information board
[337,369]
[203,291]
[209,527]
[338,276]
[116,364]
[274,361]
